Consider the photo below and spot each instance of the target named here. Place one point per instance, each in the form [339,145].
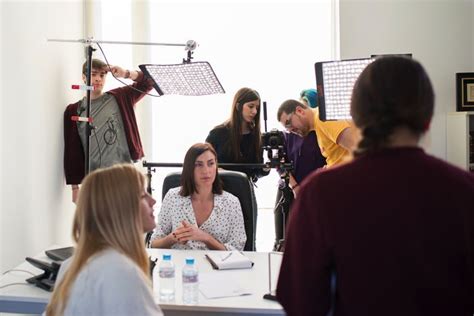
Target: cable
[98,146]
[19,270]
[17,283]
[124,83]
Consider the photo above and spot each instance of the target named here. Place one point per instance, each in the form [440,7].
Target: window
[270,46]
[267,46]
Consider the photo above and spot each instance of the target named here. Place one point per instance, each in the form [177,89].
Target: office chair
[237,184]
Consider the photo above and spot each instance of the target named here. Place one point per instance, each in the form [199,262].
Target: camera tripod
[285,194]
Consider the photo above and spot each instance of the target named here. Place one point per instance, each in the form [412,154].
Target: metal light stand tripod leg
[149,189]
[283,206]
[89,51]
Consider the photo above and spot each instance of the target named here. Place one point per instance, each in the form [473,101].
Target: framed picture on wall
[465,91]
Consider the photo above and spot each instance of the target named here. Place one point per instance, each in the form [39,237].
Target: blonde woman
[108,274]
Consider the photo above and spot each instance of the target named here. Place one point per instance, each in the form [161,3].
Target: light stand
[190,46]
[273,143]
[271,295]
[90,50]
[283,205]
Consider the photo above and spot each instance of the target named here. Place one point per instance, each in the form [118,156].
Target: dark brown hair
[96,64]
[188,185]
[391,92]
[234,123]
[289,106]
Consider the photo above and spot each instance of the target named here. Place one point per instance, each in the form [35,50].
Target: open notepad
[222,260]
[219,284]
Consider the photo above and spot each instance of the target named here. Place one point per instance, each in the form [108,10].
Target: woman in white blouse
[199,214]
[109,271]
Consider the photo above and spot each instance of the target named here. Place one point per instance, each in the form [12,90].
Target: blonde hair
[107,216]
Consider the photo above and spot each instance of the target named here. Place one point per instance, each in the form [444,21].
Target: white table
[30,299]
[23,298]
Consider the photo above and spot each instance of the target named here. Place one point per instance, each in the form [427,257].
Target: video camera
[273,139]
[274,143]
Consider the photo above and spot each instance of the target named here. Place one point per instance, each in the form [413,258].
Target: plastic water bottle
[190,282]
[166,278]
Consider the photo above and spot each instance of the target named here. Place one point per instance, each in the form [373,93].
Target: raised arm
[120,72]
[134,93]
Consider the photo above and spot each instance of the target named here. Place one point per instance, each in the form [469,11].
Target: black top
[219,138]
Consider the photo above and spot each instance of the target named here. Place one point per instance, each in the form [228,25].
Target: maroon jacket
[396,227]
[127,97]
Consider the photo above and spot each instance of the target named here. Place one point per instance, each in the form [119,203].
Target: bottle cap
[189,260]
[166,256]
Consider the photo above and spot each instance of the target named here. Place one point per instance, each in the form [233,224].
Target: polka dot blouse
[225,223]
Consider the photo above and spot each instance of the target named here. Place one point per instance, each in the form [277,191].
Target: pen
[226,257]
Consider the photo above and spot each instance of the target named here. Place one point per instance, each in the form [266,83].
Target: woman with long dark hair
[238,139]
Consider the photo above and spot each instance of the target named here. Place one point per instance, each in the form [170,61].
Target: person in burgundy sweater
[395,226]
[115,137]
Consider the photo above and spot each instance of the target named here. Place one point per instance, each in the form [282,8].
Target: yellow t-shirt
[327,133]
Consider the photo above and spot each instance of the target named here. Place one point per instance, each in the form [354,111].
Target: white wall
[1,143]
[35,78]
[439,34]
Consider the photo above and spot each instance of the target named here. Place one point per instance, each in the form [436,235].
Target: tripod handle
[265,114]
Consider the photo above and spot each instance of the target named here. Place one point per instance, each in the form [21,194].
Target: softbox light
[196,78]
[335,81]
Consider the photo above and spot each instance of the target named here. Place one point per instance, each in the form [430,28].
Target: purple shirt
[305,154]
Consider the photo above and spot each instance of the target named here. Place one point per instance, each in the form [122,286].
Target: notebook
[223,260]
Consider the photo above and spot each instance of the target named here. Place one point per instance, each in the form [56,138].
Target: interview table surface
[26,298]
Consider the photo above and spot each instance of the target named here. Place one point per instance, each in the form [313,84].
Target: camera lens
[274,141]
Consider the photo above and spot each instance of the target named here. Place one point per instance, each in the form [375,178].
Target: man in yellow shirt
[336,139]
